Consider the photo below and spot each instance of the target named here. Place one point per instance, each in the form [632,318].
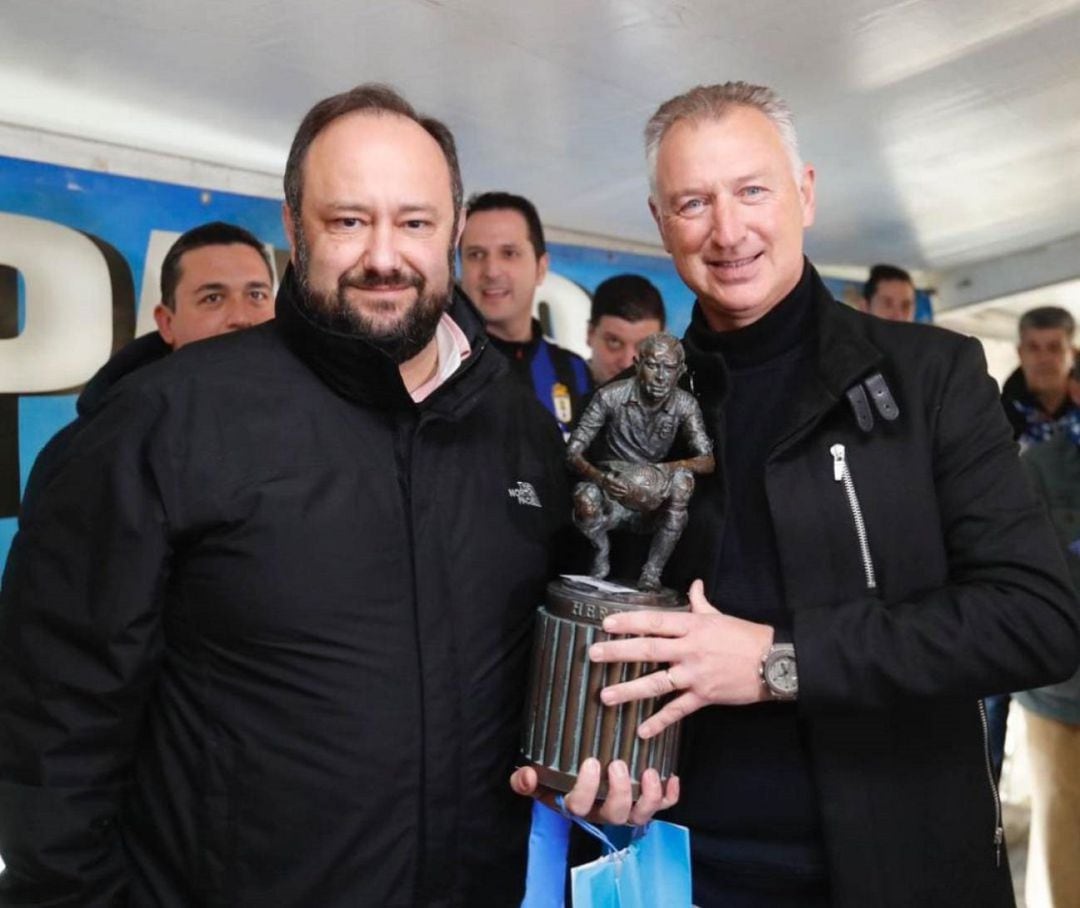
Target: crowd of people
[265,625]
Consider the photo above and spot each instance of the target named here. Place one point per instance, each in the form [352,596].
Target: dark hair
[627,296]
[881,273]
[1048,317]
[216,233]
[375,98]
[501,201]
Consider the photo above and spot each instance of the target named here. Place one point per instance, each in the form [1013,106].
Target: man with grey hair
[1036,396]
[864,566]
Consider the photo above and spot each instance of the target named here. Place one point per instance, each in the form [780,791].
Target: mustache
[381,280]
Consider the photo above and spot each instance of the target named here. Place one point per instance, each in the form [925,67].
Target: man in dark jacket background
[1052,714]
[215,278]
[867,561]
[1036,396]
[1039,407]
[263,636]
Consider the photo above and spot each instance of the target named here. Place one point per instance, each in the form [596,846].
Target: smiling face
[731,213]
[500,271]
[221,288]
[373,246]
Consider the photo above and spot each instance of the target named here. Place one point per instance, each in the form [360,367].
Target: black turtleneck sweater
[748,791]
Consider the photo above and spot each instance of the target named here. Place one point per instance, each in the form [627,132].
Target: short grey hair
[1044,317]
[712,102]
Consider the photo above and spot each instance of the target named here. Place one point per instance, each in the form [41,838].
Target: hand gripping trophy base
[565,722]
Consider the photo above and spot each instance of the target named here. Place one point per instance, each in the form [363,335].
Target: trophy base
[566,722]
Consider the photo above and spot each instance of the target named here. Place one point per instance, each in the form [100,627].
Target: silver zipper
[841,473]
[999,829]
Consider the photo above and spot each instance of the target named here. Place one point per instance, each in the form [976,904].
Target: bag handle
[595,831]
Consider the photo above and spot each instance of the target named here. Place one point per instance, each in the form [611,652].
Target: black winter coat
[143,351]
[969,597]
[264,634]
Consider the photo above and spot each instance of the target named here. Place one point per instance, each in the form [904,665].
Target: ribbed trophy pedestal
[565,722]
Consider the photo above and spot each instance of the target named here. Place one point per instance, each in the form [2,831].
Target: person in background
[889,293]
[215,279]
[1039,406]
[626,309]
[1052,713]
[503,260]
[1036,395]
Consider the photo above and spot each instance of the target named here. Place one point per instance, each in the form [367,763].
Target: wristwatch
[779,673]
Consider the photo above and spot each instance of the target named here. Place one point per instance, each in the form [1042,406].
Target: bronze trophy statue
[629,427]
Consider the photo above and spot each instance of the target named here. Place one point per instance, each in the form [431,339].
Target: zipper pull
[999,838]
[839,464]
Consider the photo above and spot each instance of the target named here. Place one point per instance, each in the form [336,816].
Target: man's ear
[807,196]
[163,316]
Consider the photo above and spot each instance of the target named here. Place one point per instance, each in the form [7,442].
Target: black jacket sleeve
[1006,619]
[79,649]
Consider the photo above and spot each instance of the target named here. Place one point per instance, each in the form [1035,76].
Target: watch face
[781,675]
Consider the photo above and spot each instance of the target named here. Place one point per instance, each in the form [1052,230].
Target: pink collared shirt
[453,348]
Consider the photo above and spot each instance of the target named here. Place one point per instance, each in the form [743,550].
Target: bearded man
[263,639]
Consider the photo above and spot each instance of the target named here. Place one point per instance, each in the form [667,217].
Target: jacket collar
[843,353]
[843,356]
[521,350]
[356,370]
[133,356]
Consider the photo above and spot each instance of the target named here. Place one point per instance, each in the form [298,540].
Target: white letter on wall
[67,333]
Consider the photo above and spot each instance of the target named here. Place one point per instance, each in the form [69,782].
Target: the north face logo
[524,493]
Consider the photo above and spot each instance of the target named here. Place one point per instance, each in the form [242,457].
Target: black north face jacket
[264,634]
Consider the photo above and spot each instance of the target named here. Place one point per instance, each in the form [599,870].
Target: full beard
[401,339]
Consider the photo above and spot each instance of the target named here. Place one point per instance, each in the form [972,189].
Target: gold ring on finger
[671,680]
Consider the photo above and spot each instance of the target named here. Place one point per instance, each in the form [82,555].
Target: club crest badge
[560,400]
